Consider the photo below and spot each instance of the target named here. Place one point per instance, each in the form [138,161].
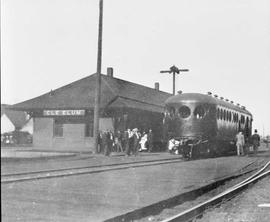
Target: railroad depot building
[63,118]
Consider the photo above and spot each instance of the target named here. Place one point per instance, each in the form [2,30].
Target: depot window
[58,129]
[89,130]
[199,112]
[184,111]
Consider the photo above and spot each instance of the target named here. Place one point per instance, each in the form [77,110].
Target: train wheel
[213,150]
[186,152]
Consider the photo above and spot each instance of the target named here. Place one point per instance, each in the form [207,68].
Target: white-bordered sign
[63,112]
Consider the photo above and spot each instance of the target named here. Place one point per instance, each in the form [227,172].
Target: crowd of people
[243,145]
[130,142]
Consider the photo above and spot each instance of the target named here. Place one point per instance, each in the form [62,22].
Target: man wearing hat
[128,141]
[255,140]
[136,140]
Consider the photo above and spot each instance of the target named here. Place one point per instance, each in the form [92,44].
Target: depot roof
[18,118]
[115,93]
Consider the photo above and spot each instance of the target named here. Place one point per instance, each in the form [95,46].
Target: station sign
[76,112]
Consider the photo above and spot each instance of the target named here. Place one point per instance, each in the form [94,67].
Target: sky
[46,44]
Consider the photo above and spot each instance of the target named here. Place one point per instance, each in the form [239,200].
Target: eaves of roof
[122,102]
[81,95]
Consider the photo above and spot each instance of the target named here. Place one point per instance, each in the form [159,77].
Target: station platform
[100,196]
[30,159]
[29,152]
[52,160]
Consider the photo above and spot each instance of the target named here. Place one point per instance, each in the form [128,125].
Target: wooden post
[98,78]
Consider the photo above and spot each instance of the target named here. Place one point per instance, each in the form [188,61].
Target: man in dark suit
[127,141]
[255,139]
[100,145]
[110,140]
[136,140]
[105,145]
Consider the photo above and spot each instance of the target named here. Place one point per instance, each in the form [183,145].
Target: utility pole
[174,70]
[98,78]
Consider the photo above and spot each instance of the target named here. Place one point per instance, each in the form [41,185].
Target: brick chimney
[110,71]
[156,86]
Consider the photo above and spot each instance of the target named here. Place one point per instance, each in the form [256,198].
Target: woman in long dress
[143,142]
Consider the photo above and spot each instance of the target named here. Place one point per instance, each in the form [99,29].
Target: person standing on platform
[255,140]
[143,141]
[125,140]
[136,140]
[240,142]
[128,141]
[100,147]
[111,141]
[118,141]
[105,143]
[150,140]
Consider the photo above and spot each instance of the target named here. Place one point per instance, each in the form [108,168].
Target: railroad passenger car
[205,124]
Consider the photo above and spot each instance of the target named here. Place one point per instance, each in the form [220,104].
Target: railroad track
[64,172]
[156,208]
[198,210]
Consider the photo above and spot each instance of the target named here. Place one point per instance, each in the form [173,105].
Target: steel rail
[254,175]
[156,208]
[199,209]
[71,172]
[85,167]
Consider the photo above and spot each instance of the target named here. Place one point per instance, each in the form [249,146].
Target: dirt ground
[245,207]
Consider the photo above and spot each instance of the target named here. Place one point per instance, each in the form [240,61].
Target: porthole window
[184,111]
[199,112]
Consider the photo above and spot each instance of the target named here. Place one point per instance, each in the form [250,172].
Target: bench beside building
[63,118]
